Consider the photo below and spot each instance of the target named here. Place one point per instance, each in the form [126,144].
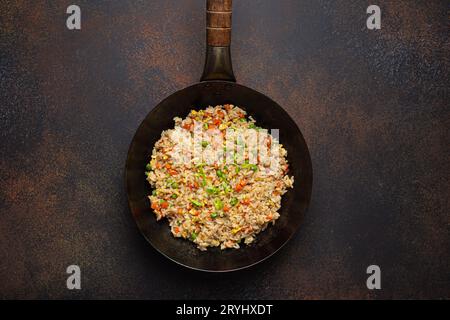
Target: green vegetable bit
[147,173]
[234,201]
[202,175]
[226,187]
[212,190]
[174,185]
[154,193]
[214,215]
[193,235]
[174,196]
[205,126]
[250,166]
[196,203]
[218,204]
[204,144]
[220,174]
[237,169]
[253,126]
[148,167]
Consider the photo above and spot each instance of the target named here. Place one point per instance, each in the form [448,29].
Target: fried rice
[228,200]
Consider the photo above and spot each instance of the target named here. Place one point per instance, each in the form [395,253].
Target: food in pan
[217,177]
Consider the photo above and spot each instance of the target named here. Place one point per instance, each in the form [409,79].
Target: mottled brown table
[373,106]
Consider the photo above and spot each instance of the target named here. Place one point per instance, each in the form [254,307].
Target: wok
[218,86]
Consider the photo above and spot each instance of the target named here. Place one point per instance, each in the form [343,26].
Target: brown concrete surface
[372,105]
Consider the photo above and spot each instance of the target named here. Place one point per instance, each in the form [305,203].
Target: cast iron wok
[218,87]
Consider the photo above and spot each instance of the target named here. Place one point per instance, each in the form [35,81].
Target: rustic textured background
[373,106]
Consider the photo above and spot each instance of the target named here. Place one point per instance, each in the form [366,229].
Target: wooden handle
[218,23]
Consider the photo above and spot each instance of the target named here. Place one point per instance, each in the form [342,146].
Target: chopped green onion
[204,144]
[174,196]
[205,126]
[212,190]
[243,120]
[220,174]
[214,215]
[218,204]
[226,187]
[234,201]
[148,167]
[193,235]
[253,126]
[147,173]
[174,185]
[196,203]
[237,169]
[154,193]
[250,166]
[202,175]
